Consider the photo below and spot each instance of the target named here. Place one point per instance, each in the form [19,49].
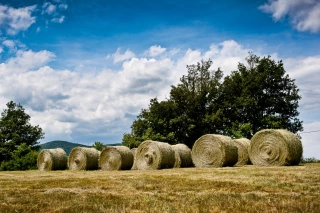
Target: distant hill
[65,145]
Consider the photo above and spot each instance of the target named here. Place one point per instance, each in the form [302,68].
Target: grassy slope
[238,189]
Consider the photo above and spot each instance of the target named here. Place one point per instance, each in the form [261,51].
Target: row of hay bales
[267,148]
[149,155]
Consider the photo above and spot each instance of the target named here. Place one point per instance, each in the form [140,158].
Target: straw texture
[275,147]
[182,156]
[243,145]
[52,159]
[116,158]
[134,150]
[214,151]
[154,155]
[81,158]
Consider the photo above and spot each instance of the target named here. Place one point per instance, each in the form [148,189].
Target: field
[237,189]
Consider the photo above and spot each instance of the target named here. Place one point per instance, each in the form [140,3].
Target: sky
[83,70]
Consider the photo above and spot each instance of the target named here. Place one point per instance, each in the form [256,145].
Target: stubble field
[232,189]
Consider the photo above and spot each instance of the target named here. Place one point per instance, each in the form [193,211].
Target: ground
[231,189]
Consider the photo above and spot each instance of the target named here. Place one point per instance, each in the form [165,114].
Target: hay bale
[52,159]
[154,155]
[116,158]
[134,150]
[81,158]
[243,145]
[182,156]
[275,147]
[214,151]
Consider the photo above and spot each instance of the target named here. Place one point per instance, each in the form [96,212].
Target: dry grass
[229,189]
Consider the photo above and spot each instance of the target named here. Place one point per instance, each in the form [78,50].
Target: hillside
[65,145]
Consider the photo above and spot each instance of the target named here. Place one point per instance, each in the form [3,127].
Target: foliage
[257,96]
[16,130]
[23,158]
[310,160]
[260,96]
[98,145]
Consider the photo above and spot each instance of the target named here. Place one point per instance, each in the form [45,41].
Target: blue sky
[84,69]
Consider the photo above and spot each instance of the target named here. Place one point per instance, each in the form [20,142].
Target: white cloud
[16,20]
[155,50]
[58,20]
[310,140]
[118,57]
[9,43]
[304,15]
[49,8]
[54,11]
[25,61]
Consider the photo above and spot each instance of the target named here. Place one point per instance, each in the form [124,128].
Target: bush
[310,160]
[23,158]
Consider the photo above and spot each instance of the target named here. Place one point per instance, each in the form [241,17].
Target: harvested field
[229,189]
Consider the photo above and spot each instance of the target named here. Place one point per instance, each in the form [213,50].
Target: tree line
[257,95]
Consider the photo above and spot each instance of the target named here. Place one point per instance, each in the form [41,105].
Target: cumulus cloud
[155,50]
[307,75]
[304,15]
[80,106]
[25,61]
[118,57]
[15,20]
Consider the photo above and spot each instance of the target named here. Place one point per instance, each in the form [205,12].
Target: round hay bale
[134,150]
[116,158]
[214,151]
[154,155]
[52,159]
[82,158]
[275,147]
[243,145]
[182,156]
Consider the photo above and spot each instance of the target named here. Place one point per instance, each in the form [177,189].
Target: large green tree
[259,96]
[256,96]
[15,130]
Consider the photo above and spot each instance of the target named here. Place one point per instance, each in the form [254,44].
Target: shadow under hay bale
[182,156]
[81,158]
[275,147]
[243,145]
[52,159]
[214,151]
[134,150]
[116,158]
[154,155]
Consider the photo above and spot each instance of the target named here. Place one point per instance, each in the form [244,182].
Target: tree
[98,145]
[259,96]
[15,130]
[186,115]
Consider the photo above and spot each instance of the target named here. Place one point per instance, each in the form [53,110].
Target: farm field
[230,189]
